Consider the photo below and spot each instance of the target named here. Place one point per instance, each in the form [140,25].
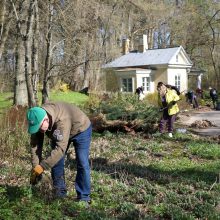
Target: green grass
[132,178]
[211,151]
[6,100]
[70,97]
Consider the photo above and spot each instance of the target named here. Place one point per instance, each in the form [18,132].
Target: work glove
[36,174]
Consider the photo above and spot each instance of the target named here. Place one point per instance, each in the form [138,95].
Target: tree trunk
[20,93]
[28,54]
[20,90]
[45,90]
[87,72]
[4,25]
[150,38]
[213,49]
[35,49]
[4,38]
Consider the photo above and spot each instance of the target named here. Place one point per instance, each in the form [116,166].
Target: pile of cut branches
[125,113]
[202,124]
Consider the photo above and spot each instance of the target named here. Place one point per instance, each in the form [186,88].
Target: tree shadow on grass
[13,193]
[152,173]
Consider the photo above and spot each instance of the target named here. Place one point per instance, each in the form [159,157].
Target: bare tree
[214,47]
[47,66]
[20,94]
[29,53]
[35,51]
[5,23]
[78,36]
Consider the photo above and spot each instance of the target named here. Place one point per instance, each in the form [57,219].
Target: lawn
[6,100]
[133,177]
[71,97]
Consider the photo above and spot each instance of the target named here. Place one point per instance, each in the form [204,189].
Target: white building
[147,68]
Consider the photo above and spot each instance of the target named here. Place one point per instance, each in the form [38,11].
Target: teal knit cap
[35,117]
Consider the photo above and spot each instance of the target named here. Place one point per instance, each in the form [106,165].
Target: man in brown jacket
[63,123]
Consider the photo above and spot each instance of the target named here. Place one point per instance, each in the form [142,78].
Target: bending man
[63,123]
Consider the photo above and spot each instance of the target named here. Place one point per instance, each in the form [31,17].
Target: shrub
[93,103]
[152,98]
[63,87]
[122,112]
[13,131]
[128,108]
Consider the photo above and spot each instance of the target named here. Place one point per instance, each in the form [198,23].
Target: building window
[146,83]
[177,81]
[127,85]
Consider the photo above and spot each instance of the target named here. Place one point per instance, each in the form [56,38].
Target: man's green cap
[35,117]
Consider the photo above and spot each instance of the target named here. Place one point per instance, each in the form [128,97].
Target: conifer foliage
[125,112]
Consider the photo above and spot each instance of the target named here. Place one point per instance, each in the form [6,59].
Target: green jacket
[66,120]
[170,96]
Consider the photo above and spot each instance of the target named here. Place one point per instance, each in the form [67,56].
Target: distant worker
[199,93]
[140,92]
[167,100]
[192,99]
[214,96]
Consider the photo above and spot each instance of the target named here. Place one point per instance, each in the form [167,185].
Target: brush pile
[202,124]
[124,113]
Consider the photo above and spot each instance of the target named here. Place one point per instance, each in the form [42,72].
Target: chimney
[125,46]
[143,44]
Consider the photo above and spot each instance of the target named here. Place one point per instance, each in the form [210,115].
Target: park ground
[133,175]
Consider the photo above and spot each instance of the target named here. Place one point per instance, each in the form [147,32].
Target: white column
[120,83]
[133,85]
[199,81]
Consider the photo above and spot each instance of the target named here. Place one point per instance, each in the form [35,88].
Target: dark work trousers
[194,102]
[167,120]
[214,102]
[81,143]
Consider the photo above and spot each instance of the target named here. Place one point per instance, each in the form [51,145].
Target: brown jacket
[66,120]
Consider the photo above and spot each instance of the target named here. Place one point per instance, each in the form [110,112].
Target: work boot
[59,193]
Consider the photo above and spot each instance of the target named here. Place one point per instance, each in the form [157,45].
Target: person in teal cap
[63,123]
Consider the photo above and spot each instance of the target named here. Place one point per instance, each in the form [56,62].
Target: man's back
[139,90]
[190,94]
[213,93]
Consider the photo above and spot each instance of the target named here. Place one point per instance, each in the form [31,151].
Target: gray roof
[150,57]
